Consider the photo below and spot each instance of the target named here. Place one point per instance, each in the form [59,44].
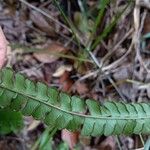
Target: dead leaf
[66,82]
[40,21]
[61,70]
[85,140]
[33,125]
[81,88]
[146,28]
[108,144]
[3,48]
[70,137]
[50,54]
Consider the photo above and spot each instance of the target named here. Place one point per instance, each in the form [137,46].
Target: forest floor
[93,49]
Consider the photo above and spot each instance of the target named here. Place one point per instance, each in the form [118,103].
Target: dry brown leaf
[33,125]
[85,140]
[70,137]
[3,48]
[66,82]
[61,70]
[39,20]
[108,144]
[81,88]
[146,28]
[50,54]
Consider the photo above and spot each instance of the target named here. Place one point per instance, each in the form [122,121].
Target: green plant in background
[59,110]
[45,141]
[86,24]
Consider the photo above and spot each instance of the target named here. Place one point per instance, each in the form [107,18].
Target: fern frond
[63,111]
[10,121]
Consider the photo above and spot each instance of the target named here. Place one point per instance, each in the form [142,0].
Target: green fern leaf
[57,109]
[10,121]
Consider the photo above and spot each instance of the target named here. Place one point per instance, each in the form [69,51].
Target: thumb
[3,48]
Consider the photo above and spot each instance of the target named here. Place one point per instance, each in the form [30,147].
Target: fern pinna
[59,110]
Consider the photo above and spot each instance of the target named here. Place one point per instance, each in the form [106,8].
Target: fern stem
[79,114]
